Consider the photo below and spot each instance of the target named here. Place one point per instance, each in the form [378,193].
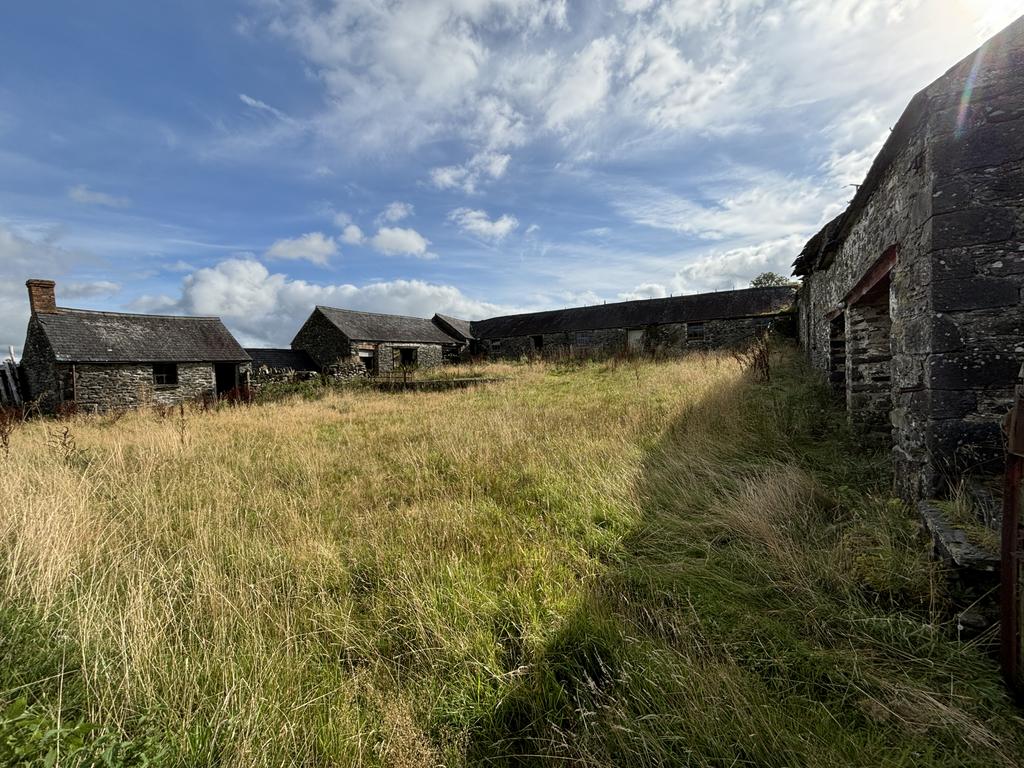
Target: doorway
[869,359]
[225,377]
[837,354]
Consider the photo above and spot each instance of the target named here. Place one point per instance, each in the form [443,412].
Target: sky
[253,158]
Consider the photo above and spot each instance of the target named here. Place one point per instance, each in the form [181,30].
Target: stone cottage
[111,360]
[676,324]
[911,299]
[378,343]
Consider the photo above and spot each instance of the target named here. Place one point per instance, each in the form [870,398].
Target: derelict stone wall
[666,339]
[116,387]
[868,364]
[38,368]
[388,356]
[321,340]
[952,199]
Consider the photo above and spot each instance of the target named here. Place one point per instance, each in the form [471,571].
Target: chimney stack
[41,296]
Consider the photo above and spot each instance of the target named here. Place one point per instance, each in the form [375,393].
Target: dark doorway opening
[538,343]
[226,377]
[408,357]
[869,363]
[837,354]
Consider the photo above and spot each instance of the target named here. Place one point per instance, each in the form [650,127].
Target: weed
[10,419]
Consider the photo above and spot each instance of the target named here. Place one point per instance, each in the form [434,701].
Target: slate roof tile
[372,326]
[84,336]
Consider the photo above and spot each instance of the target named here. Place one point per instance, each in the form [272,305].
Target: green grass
[608,564]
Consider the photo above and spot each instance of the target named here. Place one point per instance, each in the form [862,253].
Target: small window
[407,357]
[695,331]
[496,346]
[165,374]
[538,342]
[584,338]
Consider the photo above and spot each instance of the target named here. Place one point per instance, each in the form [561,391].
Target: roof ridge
[134,314]
[379,314]
[641,301]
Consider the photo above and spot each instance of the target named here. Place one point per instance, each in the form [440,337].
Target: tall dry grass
[557,567]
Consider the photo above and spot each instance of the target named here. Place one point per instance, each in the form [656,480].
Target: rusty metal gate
[1012,556]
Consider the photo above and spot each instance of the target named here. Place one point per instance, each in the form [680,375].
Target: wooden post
[1011,597]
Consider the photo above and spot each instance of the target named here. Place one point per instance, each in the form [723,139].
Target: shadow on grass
[772,607]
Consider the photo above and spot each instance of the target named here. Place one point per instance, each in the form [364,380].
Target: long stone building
[671,325]
[911,299]
[112,360]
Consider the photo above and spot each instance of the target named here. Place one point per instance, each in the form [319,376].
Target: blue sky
[251,159]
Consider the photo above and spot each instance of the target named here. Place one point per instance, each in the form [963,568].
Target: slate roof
[83,336]
[454,326]
[295,359]
[371,326]
[749,302]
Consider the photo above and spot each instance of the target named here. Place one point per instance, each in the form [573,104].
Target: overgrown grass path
[621,564]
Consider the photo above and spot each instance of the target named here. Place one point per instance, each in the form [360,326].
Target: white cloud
[80,193]
[645,291]
[262,106]
[268,308]
[585,85]
[90,290]
[503,74]
[398,241]
[748,204]
[352,235]
[314,247]
[478,223]
[395,212]
[24,256]
[483,166]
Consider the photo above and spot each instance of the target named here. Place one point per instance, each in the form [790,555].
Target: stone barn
[911,299]
[112,360]
[378,343]
[671,325]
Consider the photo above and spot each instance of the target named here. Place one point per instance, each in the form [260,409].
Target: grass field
[611,564]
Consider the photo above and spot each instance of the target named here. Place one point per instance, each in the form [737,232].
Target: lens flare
[965,99]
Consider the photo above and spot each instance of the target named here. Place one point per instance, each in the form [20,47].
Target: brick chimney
[41,296]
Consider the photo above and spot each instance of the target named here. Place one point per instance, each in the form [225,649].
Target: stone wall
[667,339]
[427,356]
[951,197]
[117,387]
[867,359]
[38,369]
[321,340]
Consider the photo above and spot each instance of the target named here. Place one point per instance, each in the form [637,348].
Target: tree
[769,280]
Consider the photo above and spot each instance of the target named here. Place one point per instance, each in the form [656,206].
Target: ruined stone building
[376,343]
[112,360]
[911,299]
[676,324]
